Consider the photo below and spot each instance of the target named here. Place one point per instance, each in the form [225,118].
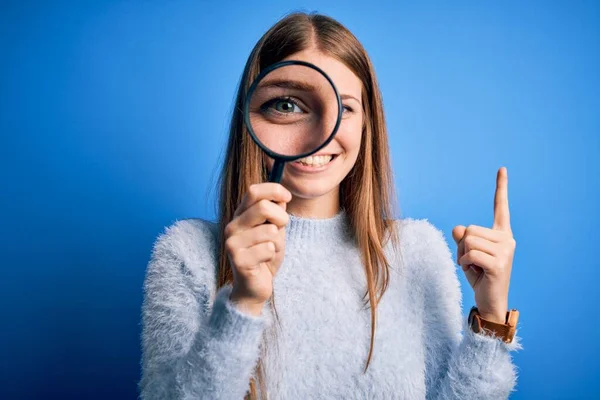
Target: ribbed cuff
[227,320]
[485,350]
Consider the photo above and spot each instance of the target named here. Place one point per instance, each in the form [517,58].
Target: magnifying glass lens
[293,110]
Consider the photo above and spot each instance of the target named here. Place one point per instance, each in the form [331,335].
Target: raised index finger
[501,211]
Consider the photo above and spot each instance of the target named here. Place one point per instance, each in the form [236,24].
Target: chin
[309,188]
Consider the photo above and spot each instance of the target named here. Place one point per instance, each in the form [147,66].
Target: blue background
[113,120]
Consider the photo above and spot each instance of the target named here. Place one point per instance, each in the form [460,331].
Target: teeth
[316,161]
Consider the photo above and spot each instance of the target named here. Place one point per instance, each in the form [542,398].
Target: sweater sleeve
[193,347]
[458,365]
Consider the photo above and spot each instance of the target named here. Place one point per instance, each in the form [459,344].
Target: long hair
[366,193]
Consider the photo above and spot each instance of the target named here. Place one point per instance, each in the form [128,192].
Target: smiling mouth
[316,161]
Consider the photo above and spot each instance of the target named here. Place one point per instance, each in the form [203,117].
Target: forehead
[344,79]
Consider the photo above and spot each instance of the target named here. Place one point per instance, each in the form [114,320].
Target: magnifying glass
[292,110]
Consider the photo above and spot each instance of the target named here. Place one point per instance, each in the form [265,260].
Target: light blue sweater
[198,345]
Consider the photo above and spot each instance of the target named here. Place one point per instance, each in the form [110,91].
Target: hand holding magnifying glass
[292,110]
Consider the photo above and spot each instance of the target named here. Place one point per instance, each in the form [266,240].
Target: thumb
[458,233]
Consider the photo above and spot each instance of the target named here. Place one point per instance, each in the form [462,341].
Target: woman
[311,289]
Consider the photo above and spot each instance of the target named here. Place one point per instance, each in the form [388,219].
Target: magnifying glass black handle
[277,171]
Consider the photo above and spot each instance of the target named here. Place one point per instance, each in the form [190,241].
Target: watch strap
[505,332]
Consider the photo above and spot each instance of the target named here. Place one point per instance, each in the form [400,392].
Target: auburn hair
[366,194]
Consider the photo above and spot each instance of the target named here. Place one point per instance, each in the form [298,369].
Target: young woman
[310,288]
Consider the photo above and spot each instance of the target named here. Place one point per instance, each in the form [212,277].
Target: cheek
[349,136]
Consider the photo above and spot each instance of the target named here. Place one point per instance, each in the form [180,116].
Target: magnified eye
[286,106]
[283,106]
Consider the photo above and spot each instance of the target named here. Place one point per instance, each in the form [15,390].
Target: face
[321,174]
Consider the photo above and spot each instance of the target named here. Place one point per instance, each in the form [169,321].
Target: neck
[326,206]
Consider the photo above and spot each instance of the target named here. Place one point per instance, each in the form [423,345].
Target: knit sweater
[197,344]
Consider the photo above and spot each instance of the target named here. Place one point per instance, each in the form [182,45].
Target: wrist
[246,305]
[504,330]
[498,318]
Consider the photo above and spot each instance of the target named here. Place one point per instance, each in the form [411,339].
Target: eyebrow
[287,84]
[349,96]
[298,85]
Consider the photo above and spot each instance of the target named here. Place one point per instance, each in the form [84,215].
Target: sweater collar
[317,230]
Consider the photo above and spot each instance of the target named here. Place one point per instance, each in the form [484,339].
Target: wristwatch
[505,331]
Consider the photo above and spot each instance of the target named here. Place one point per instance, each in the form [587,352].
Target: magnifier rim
[253,87]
